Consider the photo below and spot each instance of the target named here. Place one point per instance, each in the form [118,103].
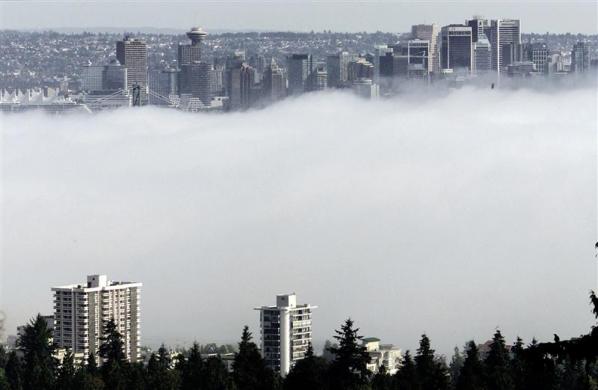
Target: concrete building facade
[286,332]
[80,312]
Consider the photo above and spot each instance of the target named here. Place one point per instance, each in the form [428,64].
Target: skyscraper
[285,331]
[580,57]
[240,83]
[188,54]
[456,47]
[275,82]
[428,32]
[164,85]
[195,80]
[505,38]
[132,53]
[539,54]
[336,65]
[418,57]
[482,55]
[478,24]
[80,312]
[299,67]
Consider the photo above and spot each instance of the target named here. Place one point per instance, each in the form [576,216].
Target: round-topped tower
[196,35]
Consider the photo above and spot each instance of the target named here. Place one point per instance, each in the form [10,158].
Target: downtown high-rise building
[190,53]
[132,54]
[482,55]
[505,38]
[580,57]
[337,67]
[299,69]
[82,310]
[285,331]
[240,84]
[274,82]
[456,48]
[428,32]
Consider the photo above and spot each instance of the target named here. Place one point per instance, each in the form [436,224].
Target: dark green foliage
[406,377]
[191,369]
[160,376]
[348,370]
[39,362]
[497,363]
[308,373]
[249,369]
[455,367]
[215,375]
[14,371]
[471,376]
[114,364]
[431,373]
[382,380]
[66,373]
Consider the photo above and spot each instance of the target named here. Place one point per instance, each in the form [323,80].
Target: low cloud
[450,215]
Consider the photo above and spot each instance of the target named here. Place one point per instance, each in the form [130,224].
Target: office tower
[217,80]
[258,62]
[418,58]
[275,82]
[188,54]
[114,76]
[241,91]
[81,311]
[92,78]
[195,80]
[285,331]
[478,25]
[580,57]
[482,55]
[299,67]
[163,84]
[132,53]
[505,38]
[318,79]
[336,65]
[428,32]
[539,54]
[456,48]
[360,69]
[380,52]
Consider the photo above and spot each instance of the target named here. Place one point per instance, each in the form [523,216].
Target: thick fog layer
[452,215]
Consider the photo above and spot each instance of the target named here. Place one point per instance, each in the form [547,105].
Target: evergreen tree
[406,377]
[382,381]
[160,376]
[192,369]
[92,365]
[472,372]
[498,365]
[39,362]
[249,369]
[215,375]
[431,374]
[518,365]
[14,371]
[308,373]
[539,370]
[455,367]
[348,370]
[66,373]
[114,363]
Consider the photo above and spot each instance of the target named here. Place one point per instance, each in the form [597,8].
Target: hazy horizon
[536,16]
[450,215]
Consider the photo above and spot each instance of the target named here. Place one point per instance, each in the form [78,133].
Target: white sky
[393,16]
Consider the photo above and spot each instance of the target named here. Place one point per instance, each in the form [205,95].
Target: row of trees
[569,364]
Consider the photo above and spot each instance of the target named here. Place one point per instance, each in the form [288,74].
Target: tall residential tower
[285,332]
[80,312]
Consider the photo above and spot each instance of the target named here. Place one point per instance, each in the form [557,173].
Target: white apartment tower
[285,331]
[80,312]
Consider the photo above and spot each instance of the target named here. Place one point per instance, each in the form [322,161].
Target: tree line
[560,364]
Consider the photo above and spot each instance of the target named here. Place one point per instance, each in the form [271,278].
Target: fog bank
[454,216]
